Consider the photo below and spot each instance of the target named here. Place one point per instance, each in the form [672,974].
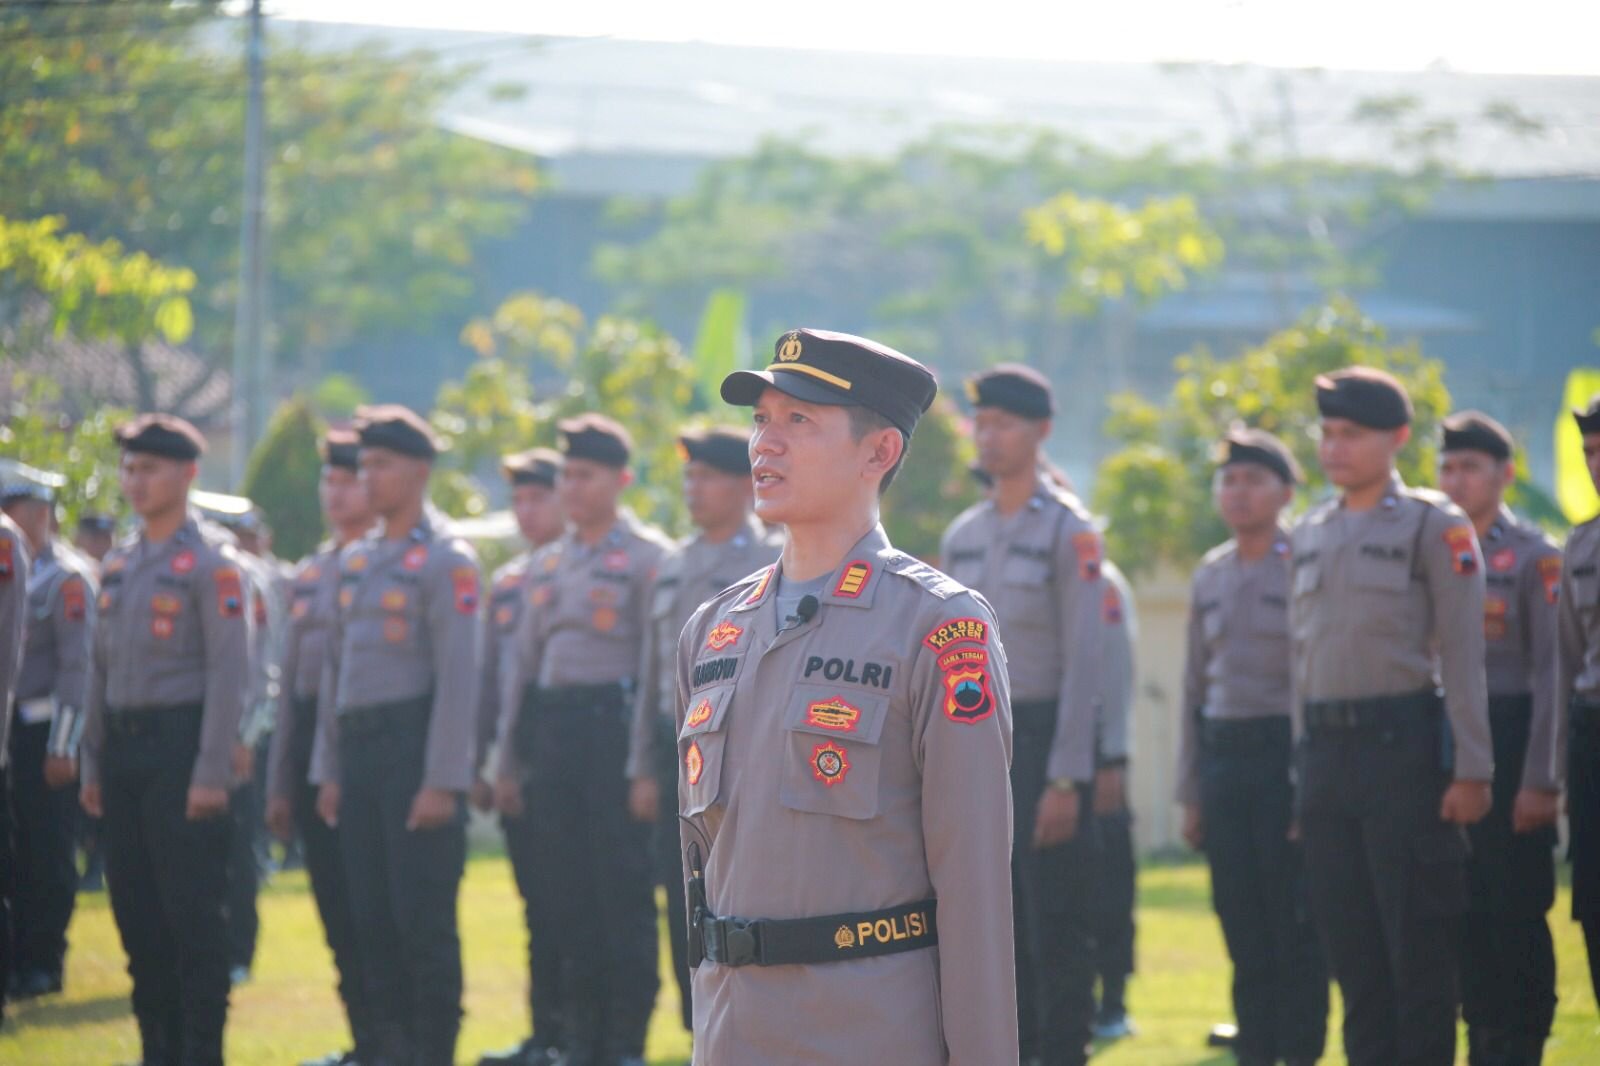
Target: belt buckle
[739,942]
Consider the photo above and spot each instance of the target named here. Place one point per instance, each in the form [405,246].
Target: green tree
[282,478]
[1155,489]
[933,485]
[128,119]
[35,431]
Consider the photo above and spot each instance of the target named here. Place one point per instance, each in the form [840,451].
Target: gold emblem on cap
[844,938]
[790,349]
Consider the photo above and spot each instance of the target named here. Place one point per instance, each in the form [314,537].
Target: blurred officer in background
[51,687]
[14,567]
[396,713]
[1235,762]
[166,697]
[1118,871]
[1387,607]
[536,505]
[730,544]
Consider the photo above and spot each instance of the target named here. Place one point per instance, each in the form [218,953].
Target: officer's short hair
[864,420]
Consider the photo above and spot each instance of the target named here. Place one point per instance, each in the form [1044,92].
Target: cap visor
[743,388]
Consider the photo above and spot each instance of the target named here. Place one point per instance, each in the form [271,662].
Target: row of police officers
[882,797]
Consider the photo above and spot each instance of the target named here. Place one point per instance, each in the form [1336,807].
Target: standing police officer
[394,750]
[44,741]
[1117,871]
[537,506]
[1508,962]
[1035,553]
[1387,603]
[567,705]
[14,566]
[171,655]
[1234,761]
[729,545]
[1578,692]
[291,797]
[843,740]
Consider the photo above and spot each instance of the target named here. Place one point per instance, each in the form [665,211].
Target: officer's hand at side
[508,797]
[1535,808]
[1465,802]
[89,799]
[1056,821]
[1110,790]
[432,808]
[280,822]
[60,770]
[1194,827]
[644,799]
[328,804]
[244,763]
[482,795]
[205,803]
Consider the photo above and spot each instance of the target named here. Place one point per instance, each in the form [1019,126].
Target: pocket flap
[837,711]
[706,711]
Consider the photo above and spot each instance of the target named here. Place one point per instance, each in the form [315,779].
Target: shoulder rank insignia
[853,579]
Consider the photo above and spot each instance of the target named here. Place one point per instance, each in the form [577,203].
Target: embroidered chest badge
[829,763]
[723,635]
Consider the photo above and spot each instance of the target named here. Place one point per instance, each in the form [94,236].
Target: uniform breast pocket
[700,748]
[832,762]
[1029,586]
[1586,595]
[1269,616]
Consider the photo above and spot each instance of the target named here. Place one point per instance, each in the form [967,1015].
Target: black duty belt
[1373,712]
[579,697]
[808,941]
[162,720]
[1240,736]
[1511,705]
[375,718]
[1585,713]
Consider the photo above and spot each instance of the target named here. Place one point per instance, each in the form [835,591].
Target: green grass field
[288,1012]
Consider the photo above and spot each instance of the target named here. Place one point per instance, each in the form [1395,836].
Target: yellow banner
[1574,489]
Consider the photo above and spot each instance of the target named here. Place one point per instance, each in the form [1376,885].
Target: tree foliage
[85,453]
[128,121]
[282,477]
[1155,489]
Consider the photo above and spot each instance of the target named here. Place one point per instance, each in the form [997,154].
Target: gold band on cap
[821,375]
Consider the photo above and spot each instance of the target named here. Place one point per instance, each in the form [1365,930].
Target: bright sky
[1543,36]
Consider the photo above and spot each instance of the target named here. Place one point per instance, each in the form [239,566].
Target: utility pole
[249,367]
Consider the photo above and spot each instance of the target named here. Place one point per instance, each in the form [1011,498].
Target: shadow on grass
[64,1014]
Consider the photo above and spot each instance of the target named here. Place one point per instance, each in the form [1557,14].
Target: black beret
[341,448]
[397,428]
[1244,445]
[536,466]
[1474,431]
[723,447]
[1588,418]
[820,366]
[1013,387]
[594,436]
[1365,396]
[94,522]
[165,435]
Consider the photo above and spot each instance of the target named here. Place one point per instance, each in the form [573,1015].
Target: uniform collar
[747,534]
[853,583]
[1503,525]
[1388,507]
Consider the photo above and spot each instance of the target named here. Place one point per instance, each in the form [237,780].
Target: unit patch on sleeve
[1088,548]
[957,631]
[464,579]
[230,598]
[1462,544]
[1550,574]
[967,698]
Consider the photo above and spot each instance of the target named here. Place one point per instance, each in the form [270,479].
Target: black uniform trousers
[403,884]
[244,872]
[1053,901]
[1258,889]
[1113,910]
[1508,962]
[319,844]
[573,744]
[168,879]
[669,866]
[1388,878]
[45,820]
[1583,825]
[8,878]
[548,1028]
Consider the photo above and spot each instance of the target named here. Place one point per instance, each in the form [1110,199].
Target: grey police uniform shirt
[174,627]
[690,574]
[1389,601]
[14,567]
[1578,627]
[853,762]
[405,627]
[54,682]
[587,612]
[1115,707]
[1040,568]
[313,586]
[508,598]
[1236,660]
[1522,569]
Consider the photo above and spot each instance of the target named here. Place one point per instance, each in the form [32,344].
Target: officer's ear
[1401,437]
[888,446]
[624,477]
[1041,429]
